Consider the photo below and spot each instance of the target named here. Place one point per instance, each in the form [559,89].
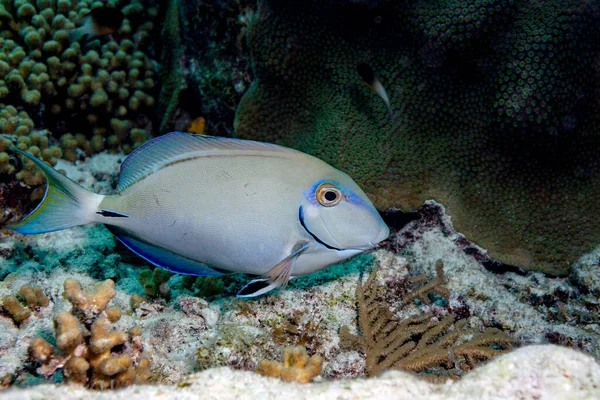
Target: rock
[540,372]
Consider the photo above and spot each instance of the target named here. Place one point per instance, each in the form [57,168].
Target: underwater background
[481,157]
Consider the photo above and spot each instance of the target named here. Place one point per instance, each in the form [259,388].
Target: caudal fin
[76,33]
[65,204]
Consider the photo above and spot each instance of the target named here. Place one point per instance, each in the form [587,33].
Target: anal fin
[162,257]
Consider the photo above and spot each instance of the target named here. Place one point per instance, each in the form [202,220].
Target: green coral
[204,286]
[497,111]
[155,282]
[75,89]
[171,73]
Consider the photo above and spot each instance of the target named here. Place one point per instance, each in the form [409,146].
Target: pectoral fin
[276,277]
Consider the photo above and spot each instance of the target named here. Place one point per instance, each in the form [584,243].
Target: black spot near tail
[111,214]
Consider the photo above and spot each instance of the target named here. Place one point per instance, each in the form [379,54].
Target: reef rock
[541,372]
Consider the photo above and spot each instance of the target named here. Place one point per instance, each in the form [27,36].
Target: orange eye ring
[328,195]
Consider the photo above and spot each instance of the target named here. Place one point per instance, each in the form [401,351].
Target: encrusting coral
[297,366]
[435,346]
[94,93]
[496,111]
[33,297]
[88,350]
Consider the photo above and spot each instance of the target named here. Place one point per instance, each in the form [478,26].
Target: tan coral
[422,343]
[89,303]
[15,309]
[33,296]
[68,331]
[297,366]
[40,350]
[90,352]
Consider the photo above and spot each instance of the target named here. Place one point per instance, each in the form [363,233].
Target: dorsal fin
[176,146]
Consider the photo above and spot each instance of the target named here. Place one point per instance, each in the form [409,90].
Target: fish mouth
[301,218]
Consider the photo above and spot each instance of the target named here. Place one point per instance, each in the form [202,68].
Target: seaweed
[433,346]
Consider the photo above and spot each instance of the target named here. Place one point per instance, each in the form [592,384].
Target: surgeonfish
[204,205]
[368,76]
[98,22]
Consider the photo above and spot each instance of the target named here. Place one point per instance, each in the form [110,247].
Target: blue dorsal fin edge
[162,257]
[174,146]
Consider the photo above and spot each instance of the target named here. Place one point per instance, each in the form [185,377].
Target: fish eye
[328,195]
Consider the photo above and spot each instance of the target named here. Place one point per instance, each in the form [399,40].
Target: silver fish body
[203,205]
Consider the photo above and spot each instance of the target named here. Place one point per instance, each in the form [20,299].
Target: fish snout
[383,234]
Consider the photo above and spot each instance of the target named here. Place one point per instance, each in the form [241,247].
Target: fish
[206,205]
[368,76]
[98,22]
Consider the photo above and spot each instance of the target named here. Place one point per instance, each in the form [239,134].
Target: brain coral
[497,108]
[94,94]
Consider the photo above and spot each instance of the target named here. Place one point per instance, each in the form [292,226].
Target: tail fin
[65,204]
[76,33]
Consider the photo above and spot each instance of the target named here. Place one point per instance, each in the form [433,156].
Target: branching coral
[496,106]
[88,350]
[33,297]
[89,304]
[297,366]
[92,93]
[421,343]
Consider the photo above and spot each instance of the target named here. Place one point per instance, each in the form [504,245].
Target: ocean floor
[185,326]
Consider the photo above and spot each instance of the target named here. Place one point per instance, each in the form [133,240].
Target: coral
[136,300]
[74,88]
[33,297]
[496,106]
[15,309]
[171,74]
[423,343]
[297,366]
[155,282]
[89,303]
[204,286]
[18,128]
[216,61]
[532,306]
[300,329]
[88,350]
[543,372]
